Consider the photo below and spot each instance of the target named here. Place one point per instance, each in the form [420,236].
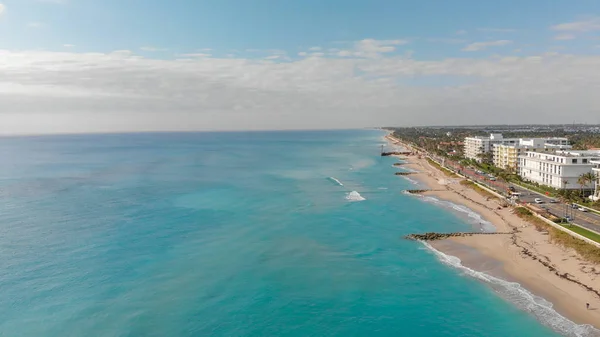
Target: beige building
[506,157]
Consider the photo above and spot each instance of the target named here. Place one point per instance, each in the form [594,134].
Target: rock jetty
[431,236]
[404,173]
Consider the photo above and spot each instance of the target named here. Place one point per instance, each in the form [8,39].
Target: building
[475,147]
[596,170]
[557,169]
[506,156]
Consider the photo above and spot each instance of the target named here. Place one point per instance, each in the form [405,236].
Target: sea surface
[235,234]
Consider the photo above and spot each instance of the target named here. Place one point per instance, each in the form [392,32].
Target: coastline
[505,252]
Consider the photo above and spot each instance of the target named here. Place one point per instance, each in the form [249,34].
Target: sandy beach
[502,255]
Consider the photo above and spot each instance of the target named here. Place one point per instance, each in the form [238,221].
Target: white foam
[412,181]
[476,219]
[382,188]
[336,181]
[354,196]
[522,298]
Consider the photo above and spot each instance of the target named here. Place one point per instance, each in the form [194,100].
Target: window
[573,161]
[585,161]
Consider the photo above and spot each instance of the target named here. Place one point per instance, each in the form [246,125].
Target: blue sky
[133,65]
[229,26]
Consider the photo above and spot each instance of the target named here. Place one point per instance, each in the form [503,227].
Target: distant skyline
[113,66]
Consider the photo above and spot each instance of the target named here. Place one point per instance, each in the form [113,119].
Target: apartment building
[558,169]
[506,156]
[475,147]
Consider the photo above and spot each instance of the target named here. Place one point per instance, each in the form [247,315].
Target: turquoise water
[232,234]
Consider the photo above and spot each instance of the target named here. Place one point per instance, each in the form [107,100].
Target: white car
[582,209]
[538,201]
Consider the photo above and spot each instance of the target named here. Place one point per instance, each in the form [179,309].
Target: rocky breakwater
[432,236]
[399,164]
[416,191]
[404,173]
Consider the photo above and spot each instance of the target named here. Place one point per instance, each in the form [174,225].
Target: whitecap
[336,181]
[354,196]
[522,298]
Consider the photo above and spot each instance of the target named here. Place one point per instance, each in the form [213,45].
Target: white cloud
[461,32]
[564,37]
[588,25]
[44,91]
[497,30]
[273,57]
[67,45]
[35,25]
[314,48]
[302,53]
[152,49]
[2,9]
[482,45]
[375,48]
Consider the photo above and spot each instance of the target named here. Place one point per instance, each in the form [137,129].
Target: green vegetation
[477,189]
[444,170]
[583,232]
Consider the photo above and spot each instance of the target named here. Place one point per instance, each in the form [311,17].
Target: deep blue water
[229,234]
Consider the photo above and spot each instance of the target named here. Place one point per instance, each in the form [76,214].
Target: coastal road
[588,219]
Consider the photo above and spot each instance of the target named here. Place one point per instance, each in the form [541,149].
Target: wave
[476,219]
[382,188]
[412,181]
[354,196]
[336,181]
[522,298]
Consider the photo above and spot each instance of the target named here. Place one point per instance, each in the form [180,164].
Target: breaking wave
[354,196]
[475,218]
[541,309]
[335,180]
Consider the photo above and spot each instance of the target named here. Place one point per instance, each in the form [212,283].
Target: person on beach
[587,306]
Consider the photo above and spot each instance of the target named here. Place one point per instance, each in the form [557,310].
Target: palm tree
[589,177]
[583,180]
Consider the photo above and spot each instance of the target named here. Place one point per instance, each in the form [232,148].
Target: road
[588,219]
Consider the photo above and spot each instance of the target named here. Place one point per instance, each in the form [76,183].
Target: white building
[507,156]
[560,169]
[596,170]
[476,146]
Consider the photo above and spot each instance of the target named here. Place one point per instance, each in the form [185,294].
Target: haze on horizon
[76,66]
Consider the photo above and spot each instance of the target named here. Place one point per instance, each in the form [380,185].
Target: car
[553,201]
[538,201]
[574,206]
[492,179]
[568,218]
[581,209]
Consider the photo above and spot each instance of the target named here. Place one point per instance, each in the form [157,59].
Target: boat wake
[335,180]
[522,298]
[354,196]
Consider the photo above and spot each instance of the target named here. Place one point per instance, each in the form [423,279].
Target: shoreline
[505,252]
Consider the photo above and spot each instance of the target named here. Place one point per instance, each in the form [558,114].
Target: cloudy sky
[141,65]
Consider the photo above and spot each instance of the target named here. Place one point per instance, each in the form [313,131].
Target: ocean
[235,234]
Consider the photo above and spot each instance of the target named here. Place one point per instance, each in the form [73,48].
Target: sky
[77,66]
